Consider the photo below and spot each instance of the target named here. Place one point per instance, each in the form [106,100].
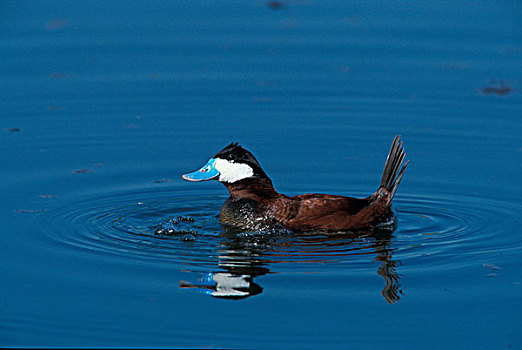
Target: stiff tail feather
[392,174]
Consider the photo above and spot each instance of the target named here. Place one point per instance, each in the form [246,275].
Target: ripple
[443,231]
[456,230]
[123,224]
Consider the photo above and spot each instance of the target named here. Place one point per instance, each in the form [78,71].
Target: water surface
[105,105]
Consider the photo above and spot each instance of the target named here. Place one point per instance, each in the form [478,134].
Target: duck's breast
[246,214]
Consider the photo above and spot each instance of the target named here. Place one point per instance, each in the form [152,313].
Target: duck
[255,205]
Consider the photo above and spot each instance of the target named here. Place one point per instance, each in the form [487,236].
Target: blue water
[105,104]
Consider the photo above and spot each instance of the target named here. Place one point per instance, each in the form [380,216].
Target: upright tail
[390,180]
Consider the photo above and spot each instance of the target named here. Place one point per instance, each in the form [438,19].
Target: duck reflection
[242,258]
[392,289]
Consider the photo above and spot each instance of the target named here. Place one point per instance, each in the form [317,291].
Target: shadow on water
[244,257]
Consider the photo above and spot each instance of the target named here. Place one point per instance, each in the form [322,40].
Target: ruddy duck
[254,204]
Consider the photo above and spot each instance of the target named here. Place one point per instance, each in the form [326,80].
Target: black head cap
[237,154]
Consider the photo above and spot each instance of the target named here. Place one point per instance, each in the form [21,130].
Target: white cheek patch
[231,172]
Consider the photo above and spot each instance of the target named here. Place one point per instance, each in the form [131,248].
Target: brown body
[305,212]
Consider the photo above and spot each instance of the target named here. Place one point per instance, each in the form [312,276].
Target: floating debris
[57,75]
[498,88]
[13,130]
[32,211]
[262,99]
[160,181]
[491,267]
[154,76]
[56,24]
[276,5]
[352,19]
[80,171]
[47,196]
[511,50]
[54,108]
[454,65]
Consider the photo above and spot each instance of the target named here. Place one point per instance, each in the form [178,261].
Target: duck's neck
[252,188]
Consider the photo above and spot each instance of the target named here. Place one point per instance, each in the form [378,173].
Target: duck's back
[337,213]
[315,204]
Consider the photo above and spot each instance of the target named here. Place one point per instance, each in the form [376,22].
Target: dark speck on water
[496,88]
[56,24]
[31,211]
[276,5]
[129,255]
[80,171]
[161,181]
[58,75]
[54,108]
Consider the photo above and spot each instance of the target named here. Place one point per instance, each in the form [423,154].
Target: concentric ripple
[455,231]
[433,232]
[123,224]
